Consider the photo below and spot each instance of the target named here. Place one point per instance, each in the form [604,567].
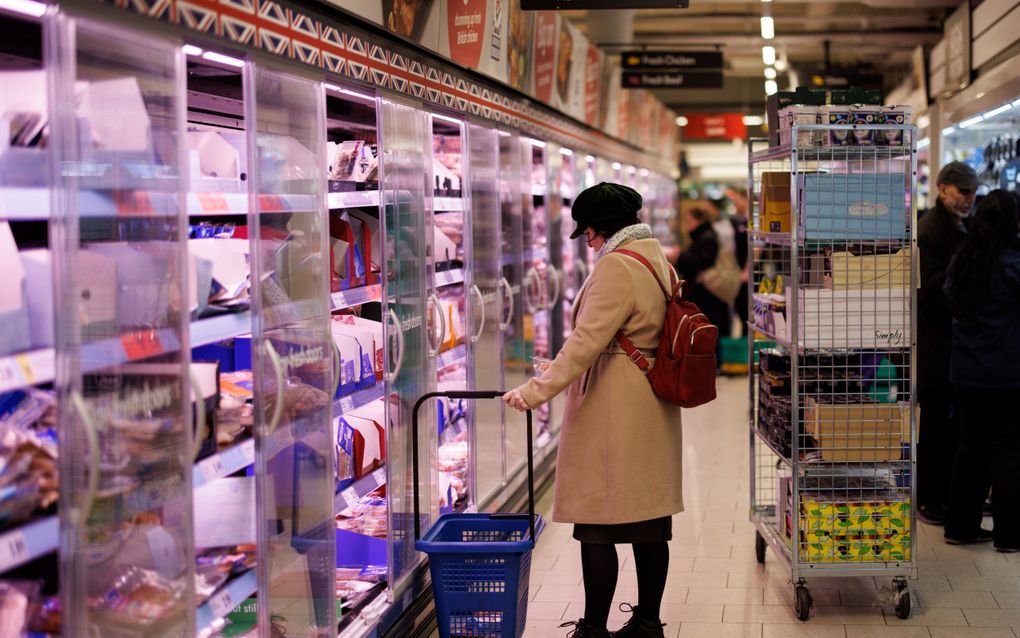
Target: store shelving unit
[833,411]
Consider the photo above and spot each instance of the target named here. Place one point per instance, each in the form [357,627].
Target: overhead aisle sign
[672,69]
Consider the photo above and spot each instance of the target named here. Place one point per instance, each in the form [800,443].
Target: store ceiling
[873,34]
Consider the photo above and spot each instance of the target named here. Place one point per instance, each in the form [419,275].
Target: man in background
[940,234]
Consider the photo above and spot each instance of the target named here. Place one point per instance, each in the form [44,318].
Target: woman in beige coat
[619,470]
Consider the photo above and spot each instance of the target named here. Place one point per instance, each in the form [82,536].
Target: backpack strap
[633,353]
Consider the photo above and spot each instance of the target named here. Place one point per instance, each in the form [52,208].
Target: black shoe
[982,536]
[583,630]
[638,627]
[1007,550]
[932,514]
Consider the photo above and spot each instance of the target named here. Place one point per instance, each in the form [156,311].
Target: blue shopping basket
[480,563]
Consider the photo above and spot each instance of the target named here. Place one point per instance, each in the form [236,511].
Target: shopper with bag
[983,287]
[619,470]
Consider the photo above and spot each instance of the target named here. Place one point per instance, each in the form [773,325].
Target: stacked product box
[835,529]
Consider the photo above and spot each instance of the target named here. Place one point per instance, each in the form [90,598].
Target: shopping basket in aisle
[480,563]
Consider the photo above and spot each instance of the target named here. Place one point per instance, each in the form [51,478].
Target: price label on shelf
[339,300]
[25,366]
[10,373]
[221,603]
[347,403]
[248,452]
[212,202]
[13,550]
[379,476]
[212,468]
[139,345]
[350,497]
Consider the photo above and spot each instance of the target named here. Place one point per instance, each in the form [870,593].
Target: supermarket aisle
[717,590]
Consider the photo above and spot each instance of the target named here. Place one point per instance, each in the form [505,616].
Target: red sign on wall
[545,55]
[715,126]
[466,28]
[593,73]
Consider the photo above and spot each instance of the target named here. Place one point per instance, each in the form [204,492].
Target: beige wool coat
[620,448]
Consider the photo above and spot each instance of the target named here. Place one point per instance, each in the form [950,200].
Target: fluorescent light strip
[212,56]
[445,118]
[924,142]
[753,120]
[192,50]
[567,152]
[977,119]
[999,111]
[768,27]
[946,132]
[24,7]
[1016,103]
[537,143]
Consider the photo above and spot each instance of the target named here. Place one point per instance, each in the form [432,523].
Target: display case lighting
[339,89]
[645,172]
[924,142]
[503,133]
[949,130]
[192,50]
[567,152]
[768,55]
[972,121]
[617,166]
[768,27]
[999,111]
[590,159]
[212,56]
[538,143]
[445,118]
[631,170]
[24,7]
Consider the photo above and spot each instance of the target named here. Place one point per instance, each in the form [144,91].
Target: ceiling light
[923,121]
[924,142]
[781,64]
[753,120]
[771,88]
[770,73]
[1016,102]
[768,55]
[25,7]
[567,152]
[972,121]
[192,50]
[212,56]
[946,132]
[979,95]
[768,27]
[681,121]
[999,111]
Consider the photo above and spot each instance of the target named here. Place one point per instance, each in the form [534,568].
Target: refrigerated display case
[538,285]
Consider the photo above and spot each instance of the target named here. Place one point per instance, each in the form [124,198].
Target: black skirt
[657,530]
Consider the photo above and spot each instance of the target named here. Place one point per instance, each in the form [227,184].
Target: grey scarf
[629,233]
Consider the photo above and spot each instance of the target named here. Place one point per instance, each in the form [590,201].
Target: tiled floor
[717,590]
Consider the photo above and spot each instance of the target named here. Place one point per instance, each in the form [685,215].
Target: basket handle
[467,394]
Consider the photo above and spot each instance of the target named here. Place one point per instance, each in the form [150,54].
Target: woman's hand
[514,399]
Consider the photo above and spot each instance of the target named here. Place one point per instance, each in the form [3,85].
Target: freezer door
[484,306]
[514,191]
[405,139]
[117,123]
[292,354]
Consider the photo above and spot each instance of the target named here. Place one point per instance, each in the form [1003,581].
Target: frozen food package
[115,114]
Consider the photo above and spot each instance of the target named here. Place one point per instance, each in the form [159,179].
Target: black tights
[601,567]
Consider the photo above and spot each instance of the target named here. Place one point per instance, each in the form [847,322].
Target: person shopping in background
[738,197]
[618,438]
[984,290]
[940,234]
[698,256]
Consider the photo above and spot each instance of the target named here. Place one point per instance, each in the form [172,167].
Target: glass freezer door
[484,308]
[292,355]
[406,136]
[514,194]
[117,125]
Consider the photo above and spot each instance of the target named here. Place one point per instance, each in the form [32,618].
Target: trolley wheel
[903,601]
[759,547]
[803,602]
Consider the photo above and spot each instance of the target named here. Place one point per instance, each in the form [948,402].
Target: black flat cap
[959,174]
[604,202]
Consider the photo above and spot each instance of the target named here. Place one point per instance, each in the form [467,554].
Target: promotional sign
[715,126]
[672,60]
[546,33]
[466,27]
[519,53]
[557,5]
[957,36]
[673,79]
[592,76]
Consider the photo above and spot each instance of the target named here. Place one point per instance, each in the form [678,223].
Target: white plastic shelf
[233,459]
[26,369]
[449,277]
[353,199]
[447,204]
[358,399]
[226,599]
[28,542]
[213,329]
